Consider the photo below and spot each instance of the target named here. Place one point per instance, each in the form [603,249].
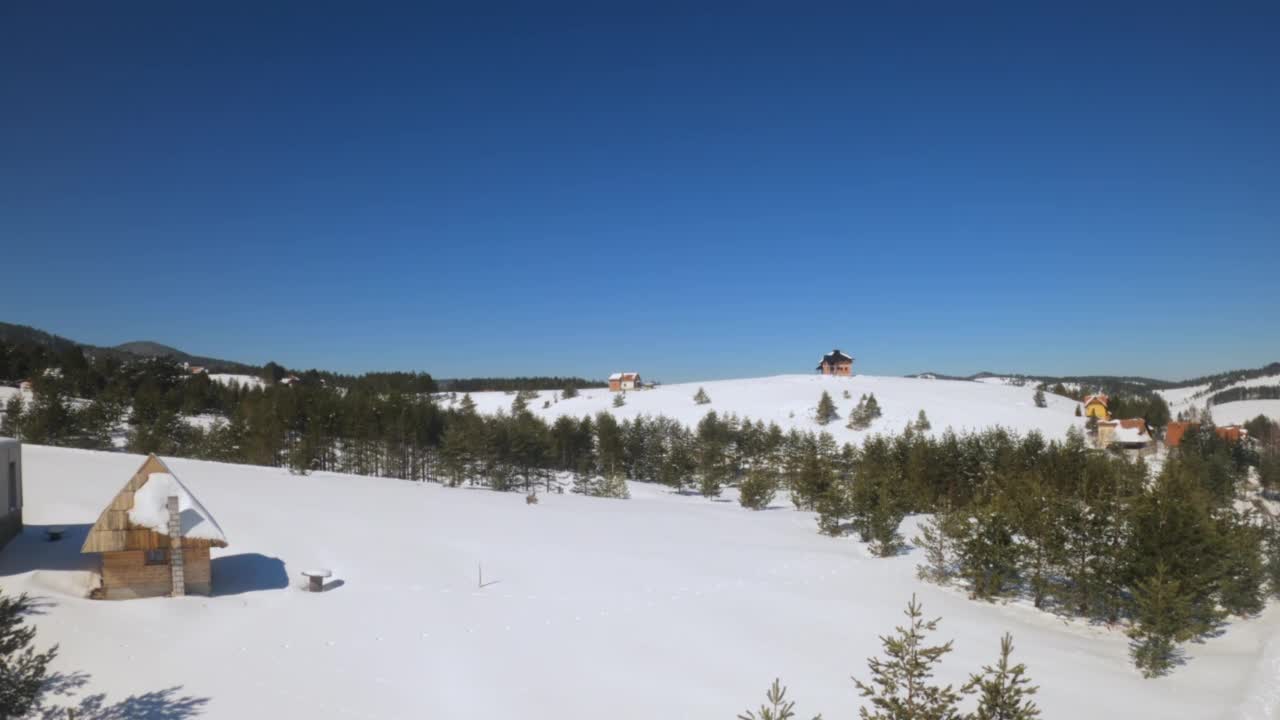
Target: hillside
[673,606]
[23,334]
[1201,395]
[790,401]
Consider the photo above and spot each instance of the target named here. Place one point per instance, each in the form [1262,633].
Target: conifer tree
[1003,691]
[778,707]
[569,391]
[701,397]
[11,424]
[900,687]
[922,422]
[1162,618]
[757,490]
[873,407]
[1078,413]
[467,405]
[936,539]
[22,669]
[619,400]
[1040,399]
[826,409]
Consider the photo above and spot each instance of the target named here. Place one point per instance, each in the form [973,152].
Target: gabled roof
[1095,398]
[624,376]
[138,517]
[835,357]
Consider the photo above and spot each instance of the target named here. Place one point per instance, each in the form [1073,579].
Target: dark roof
[835,357]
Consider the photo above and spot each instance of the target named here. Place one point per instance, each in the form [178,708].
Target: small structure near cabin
[1232,434]
[1095,406]
[154,538]
[623,381]
[11,500]
[836,363]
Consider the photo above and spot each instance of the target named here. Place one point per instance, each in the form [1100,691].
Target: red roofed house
[1230,433]
[836,363]
[1128,434]
[624,381]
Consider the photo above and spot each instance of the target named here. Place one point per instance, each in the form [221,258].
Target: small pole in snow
[479,577]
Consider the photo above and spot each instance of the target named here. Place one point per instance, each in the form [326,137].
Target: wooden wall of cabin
[126,575]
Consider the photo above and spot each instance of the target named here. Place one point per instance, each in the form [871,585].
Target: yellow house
[1095,406]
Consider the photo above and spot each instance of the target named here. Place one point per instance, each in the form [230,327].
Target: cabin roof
[137,518]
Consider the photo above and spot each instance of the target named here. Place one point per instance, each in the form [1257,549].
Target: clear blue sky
[731,191]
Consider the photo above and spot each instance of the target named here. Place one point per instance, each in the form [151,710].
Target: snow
[791,402]
[659,606]
[1181,399]
[1242,411]
[244,381]
[150,509]
[1124,434]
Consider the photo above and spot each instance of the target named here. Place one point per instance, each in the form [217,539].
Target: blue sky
[575,189]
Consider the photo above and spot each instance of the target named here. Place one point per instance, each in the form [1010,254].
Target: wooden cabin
[154,538]
[11,490]
[836,363]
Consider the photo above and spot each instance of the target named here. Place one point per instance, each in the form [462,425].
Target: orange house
[624,381]
[1230,433]
[1174,431]
[836,363]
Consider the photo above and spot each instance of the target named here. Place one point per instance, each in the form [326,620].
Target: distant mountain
[147,348]
[12,333]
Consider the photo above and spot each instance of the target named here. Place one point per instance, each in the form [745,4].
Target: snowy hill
[790,401]
[659,606]
[1197,396]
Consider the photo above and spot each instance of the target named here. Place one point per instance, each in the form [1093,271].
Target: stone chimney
[175,549]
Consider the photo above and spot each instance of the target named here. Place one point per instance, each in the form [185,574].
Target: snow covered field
[790,401]
[1182,399]
[659,606]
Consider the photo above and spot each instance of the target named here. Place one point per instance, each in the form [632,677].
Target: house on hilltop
[154,538]
[624,381]
[1095,406]
[836,363]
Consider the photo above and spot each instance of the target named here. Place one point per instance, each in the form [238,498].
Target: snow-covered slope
[659,606]
[244,381]
[1197,396]
[790,401]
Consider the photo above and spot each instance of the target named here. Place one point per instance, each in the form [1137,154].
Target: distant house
[290,380]
[198,370]
[154,537]
[1232,433]
[1174,432]
[1095,406]
[1128,434]
[624,381]
[836,363]
[11,499]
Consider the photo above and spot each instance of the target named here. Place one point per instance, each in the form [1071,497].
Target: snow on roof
[1128,435]
[1099,398]
[150,509]
[624,376]
[616,376]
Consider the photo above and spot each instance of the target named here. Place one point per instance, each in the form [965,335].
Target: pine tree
[900,687]
[826,409]
[757,490]
[1162,618]
[778,707]
[467,405]
[859,419]
[569,391]
[936,539]
[1078,412]
[1003,691]
[619,400]
[1040,399]
[1272,556]
[701,397]
[22,670]
[873,407]
[14,409]
[922,423]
